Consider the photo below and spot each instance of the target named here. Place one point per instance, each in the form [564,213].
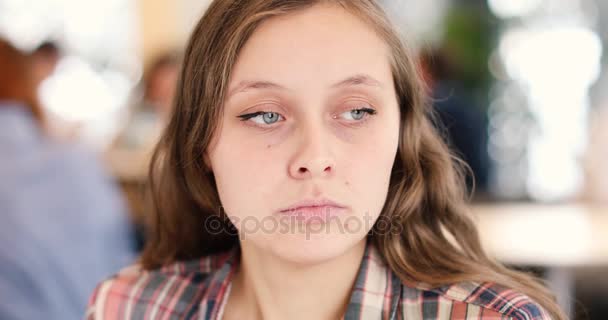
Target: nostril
[302,170]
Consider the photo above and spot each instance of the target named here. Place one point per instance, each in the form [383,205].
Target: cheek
[371,169]
[243,172]
[370,175]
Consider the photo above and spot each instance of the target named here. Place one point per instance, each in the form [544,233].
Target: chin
[315,247]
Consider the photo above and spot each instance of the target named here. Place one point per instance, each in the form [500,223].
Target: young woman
[300,178]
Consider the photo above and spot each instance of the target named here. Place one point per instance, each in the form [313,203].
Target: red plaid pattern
[198,290]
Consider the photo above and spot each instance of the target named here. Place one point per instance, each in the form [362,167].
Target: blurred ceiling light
[81,27]
[550,56]
[513,8]
[27,23]
[76,92]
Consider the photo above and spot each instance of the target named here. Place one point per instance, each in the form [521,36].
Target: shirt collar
[377,290]
[375,294]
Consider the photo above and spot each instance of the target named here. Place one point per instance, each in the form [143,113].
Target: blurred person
[129,154]
[160,83]
[149,116]
[308,115]
[462,120]
[64,225]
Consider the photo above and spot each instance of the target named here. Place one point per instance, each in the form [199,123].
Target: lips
[313,204]
[313,211]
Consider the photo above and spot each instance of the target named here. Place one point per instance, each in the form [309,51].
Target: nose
[313,157]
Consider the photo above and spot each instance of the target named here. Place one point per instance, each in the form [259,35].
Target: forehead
[324,42]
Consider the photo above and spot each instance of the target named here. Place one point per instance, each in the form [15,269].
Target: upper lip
[319,202]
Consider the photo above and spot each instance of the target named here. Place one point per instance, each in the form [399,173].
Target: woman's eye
[265,118]
[358,114]
[262,117]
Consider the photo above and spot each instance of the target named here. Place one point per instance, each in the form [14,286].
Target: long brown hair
[439,243]
[17,82]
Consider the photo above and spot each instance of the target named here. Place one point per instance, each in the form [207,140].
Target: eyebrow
[255,84]
[355,80]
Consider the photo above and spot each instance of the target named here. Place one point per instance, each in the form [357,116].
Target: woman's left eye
[358,114]
[264,118]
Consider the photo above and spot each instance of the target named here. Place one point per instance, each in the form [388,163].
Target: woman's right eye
[262,117]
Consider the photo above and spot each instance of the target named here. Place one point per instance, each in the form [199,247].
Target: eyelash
[368,111]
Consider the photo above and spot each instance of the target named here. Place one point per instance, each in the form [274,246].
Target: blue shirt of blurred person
[63,224]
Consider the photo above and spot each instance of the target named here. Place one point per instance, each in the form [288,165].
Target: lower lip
[321,214]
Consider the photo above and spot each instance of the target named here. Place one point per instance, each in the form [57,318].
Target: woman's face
[329,131]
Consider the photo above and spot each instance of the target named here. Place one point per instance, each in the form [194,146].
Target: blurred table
[560,238]
[567,235]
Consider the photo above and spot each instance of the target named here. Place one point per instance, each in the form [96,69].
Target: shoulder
[174,290]
[469,300]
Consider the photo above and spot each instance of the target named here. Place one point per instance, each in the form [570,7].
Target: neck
[267,287]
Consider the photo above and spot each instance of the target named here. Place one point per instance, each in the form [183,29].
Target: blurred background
[520,88]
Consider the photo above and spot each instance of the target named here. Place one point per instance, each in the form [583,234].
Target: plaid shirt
[198,290]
